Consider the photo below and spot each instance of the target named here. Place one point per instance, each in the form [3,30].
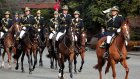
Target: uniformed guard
[39,20]
[78,24]
[27,21]
[54,24]
[53,27]
[113,27]
[6,23]
[16,17]
[65,21]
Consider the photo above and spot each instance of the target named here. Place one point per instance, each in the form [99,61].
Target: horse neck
[120,41]
[83,39]
[67,40]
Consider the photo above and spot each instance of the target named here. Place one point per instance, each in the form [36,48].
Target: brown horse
[9,42]
[43,42]
[29,45]
[66,51]
[81,50]
[117,52]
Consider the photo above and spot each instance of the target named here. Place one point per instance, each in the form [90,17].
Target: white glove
[119,30]
[24,28]
[39,30]
[6,30]
[54,32]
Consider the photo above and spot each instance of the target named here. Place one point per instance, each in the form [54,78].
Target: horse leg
[22,59]
[29,61]
[61,70]
[35,59]
[107,68]
[113,68]
[56,63]
[3,54]
[14,51]
[75,62]
[31,58]
[40,61]
[99,66]
[124,64]
[82,62]
[9,57]
[71,60]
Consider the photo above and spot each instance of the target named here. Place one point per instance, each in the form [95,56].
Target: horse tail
[102,64]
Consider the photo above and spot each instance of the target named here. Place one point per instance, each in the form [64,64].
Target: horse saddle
[103,44]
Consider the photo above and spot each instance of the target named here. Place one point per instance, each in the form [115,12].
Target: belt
[112,28]
[64,25]
[27,24]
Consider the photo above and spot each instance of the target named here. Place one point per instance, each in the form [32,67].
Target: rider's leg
[107,45]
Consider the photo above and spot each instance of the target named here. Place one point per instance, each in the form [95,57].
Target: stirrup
[103,45]
[106,55]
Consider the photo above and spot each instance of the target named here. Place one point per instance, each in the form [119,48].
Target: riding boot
[106,54]
[56,46]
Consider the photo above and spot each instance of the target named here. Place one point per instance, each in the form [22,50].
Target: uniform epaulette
[42,17]
[69,14]
[81,19]
[119,15]
[3,18]
[51,19]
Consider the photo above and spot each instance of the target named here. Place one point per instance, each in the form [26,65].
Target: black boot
[56,46]
[106,54]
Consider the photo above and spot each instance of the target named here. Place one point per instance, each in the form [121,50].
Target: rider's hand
[6,30]
[119,30]
[39,30]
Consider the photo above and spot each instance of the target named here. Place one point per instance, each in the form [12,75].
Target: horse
[80,46]
[117,50]
[52,53]
[9,42]
[29,45]
[66,51]
[42,42]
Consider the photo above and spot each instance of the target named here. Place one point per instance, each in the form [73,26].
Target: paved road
[87,73]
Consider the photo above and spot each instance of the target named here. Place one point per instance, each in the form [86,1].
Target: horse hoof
[41,64]
[9,67]
[61,78]
[23,71]
[30,72]
[16,67]
[71,76]
[79,70]
[59,75]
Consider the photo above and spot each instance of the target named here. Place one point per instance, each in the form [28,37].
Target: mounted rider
[53,28]
[54,25]
[16,18]
[65,21]
[39,20]
[78,24]
[113,28]
[6,23]
[27,21]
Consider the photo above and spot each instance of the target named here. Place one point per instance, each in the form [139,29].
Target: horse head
[33,33]
[125,29]
[15,29]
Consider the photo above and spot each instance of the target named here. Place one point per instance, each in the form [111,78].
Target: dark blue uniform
[39,21]
[16,19]
[114,24]
[78,24]
[28,20]
[6,24]
[54,24]
[65,21]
